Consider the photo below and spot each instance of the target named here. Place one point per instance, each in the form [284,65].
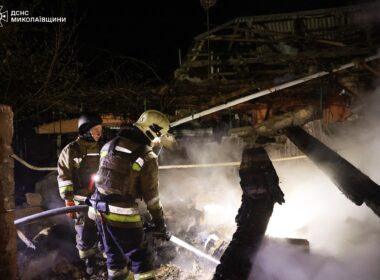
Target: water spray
[192,249]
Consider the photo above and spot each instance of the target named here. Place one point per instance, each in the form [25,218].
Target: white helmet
[153,124]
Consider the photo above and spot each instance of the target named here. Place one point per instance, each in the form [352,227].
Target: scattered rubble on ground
[55,256]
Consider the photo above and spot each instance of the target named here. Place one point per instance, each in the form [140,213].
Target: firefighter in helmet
[128,170]
[77,165]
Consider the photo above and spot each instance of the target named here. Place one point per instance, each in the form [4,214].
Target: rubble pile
[169,272]
[53,254]
[173,272]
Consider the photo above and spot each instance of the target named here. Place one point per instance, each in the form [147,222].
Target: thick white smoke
[213,191]
[200,202]
[344,238]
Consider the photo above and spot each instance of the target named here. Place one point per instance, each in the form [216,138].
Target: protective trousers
[122,244]
[252,220]
[86,236]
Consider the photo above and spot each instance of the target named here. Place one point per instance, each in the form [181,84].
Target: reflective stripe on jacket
[130,170]
[77,162]
[118,216]
[149,275]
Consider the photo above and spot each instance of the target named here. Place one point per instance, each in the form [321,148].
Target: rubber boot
[90,264]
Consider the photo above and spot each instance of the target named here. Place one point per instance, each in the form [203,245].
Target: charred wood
[259,182]
[354,184]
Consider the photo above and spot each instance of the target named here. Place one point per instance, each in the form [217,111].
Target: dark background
[154,31]
[151,32]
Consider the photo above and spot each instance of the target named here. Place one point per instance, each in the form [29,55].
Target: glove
[162,233]
[160,230]
[72,215]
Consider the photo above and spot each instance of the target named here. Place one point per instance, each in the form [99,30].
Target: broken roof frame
[253,65]
[230,93]
[280,39]
[267,91]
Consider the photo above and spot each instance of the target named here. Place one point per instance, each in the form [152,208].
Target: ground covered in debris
[47,251]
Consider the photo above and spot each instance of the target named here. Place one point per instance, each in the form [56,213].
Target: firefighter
[77,165]
[128,170]
[261,190]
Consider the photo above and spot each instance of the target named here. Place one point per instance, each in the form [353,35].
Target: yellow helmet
[153,124]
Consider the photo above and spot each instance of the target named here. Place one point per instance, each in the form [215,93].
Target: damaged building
[297,91]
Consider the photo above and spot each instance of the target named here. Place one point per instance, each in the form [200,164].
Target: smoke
[344,238]
[280,261]
[212,192]
[54,254]
[200,202]
[38,266]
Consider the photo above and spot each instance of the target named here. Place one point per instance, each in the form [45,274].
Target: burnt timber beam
[354,184]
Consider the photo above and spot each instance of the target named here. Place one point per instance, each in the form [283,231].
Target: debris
[33,199]
[169,272]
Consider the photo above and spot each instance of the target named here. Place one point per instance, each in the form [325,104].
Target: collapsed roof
[249,54]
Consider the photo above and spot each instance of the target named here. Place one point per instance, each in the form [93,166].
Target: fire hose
[50,213]
[83,208]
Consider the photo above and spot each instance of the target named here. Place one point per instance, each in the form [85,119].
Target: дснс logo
[3,16]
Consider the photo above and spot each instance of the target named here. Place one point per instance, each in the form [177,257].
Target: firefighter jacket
[77,164]
[127,171]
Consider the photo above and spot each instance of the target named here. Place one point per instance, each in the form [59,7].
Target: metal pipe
[200,165]
[49,213]
[268,91]
[16,157]
[223,164]
[165,167]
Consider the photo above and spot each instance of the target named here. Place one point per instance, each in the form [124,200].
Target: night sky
[154,31]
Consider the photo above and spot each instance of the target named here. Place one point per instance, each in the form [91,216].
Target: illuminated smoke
[213,191]
[344,238]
